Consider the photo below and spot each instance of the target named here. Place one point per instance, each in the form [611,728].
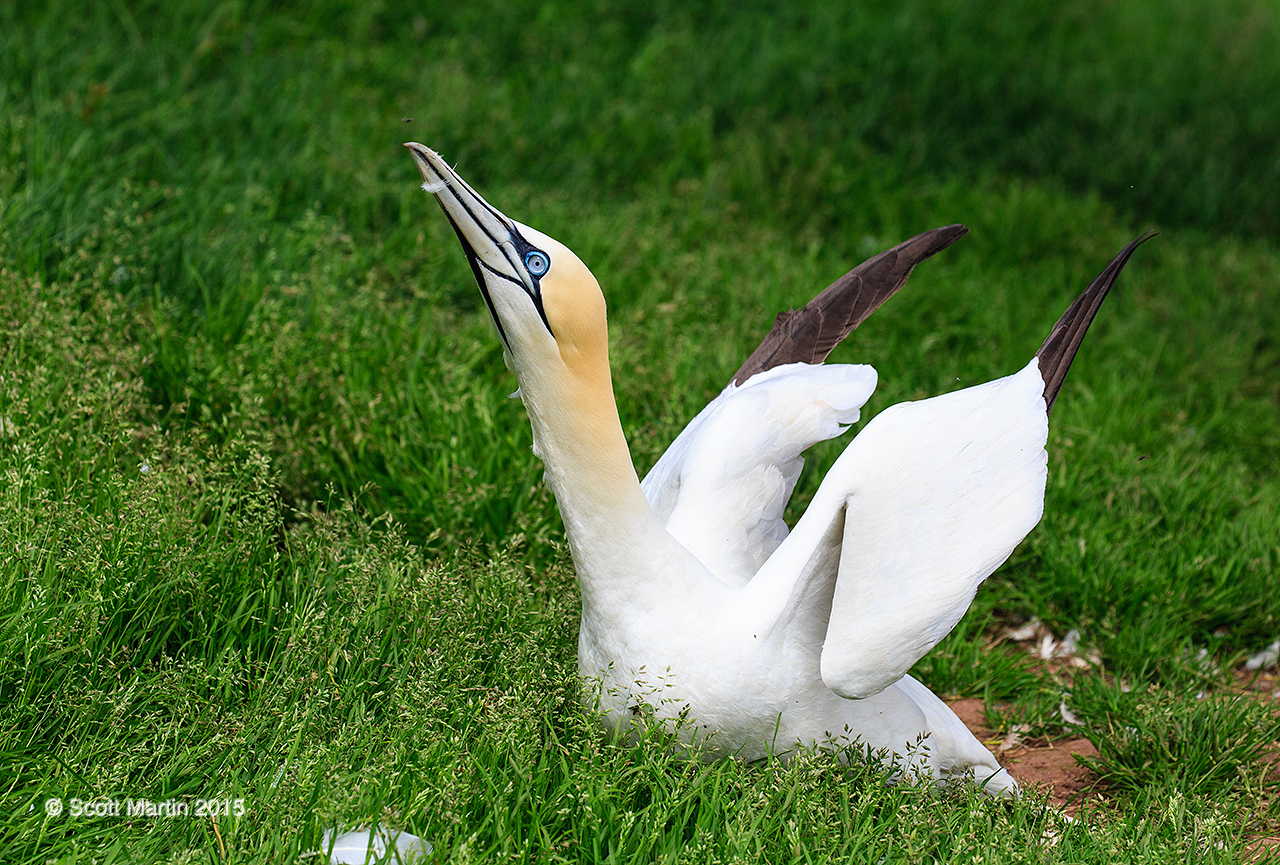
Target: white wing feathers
[722,486]
[934,495]
[937,494]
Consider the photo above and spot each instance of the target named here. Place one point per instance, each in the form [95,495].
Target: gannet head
[546,305]
[550,315]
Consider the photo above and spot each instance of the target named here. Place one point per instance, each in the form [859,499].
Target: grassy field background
[271,530]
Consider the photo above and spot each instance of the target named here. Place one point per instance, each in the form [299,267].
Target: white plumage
[722,485]
[700,609]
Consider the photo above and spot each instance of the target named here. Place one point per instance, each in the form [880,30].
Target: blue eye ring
[538,263]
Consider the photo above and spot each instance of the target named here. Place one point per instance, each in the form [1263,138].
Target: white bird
[699,608]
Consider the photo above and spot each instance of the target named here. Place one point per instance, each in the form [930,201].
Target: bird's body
[699,608]
[736,657]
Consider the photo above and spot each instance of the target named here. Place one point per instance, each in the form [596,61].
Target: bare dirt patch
[1050,767]
[1046,766]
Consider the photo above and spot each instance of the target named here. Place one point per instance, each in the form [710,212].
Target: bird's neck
[578,435]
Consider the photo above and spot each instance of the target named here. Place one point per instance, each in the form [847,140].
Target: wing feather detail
[809,334]
[722,486]
[1059,349]
[938,493]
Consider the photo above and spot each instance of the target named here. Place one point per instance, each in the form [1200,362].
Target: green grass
[1210,745]
[271,529]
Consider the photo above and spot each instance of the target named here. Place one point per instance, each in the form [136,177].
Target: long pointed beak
[487,236]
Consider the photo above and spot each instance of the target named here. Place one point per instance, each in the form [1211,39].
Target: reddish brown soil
[1051,768]
[1046,766]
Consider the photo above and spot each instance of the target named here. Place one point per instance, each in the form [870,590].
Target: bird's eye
[537,262]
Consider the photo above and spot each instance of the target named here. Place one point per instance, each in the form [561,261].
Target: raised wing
[1059,348]
[723,484]
[924,504]
[809,334]
[939,493]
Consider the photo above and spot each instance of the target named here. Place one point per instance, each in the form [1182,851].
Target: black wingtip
[808,335]
[1059,350]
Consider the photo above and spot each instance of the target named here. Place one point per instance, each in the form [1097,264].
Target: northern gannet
[699,608]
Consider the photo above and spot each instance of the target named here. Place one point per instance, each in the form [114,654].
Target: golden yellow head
[550,315]
[544,301]
[572,304]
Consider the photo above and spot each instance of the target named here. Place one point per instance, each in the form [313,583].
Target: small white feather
[373,845]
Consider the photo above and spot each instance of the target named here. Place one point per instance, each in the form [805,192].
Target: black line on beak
[513,236]
[474,261]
